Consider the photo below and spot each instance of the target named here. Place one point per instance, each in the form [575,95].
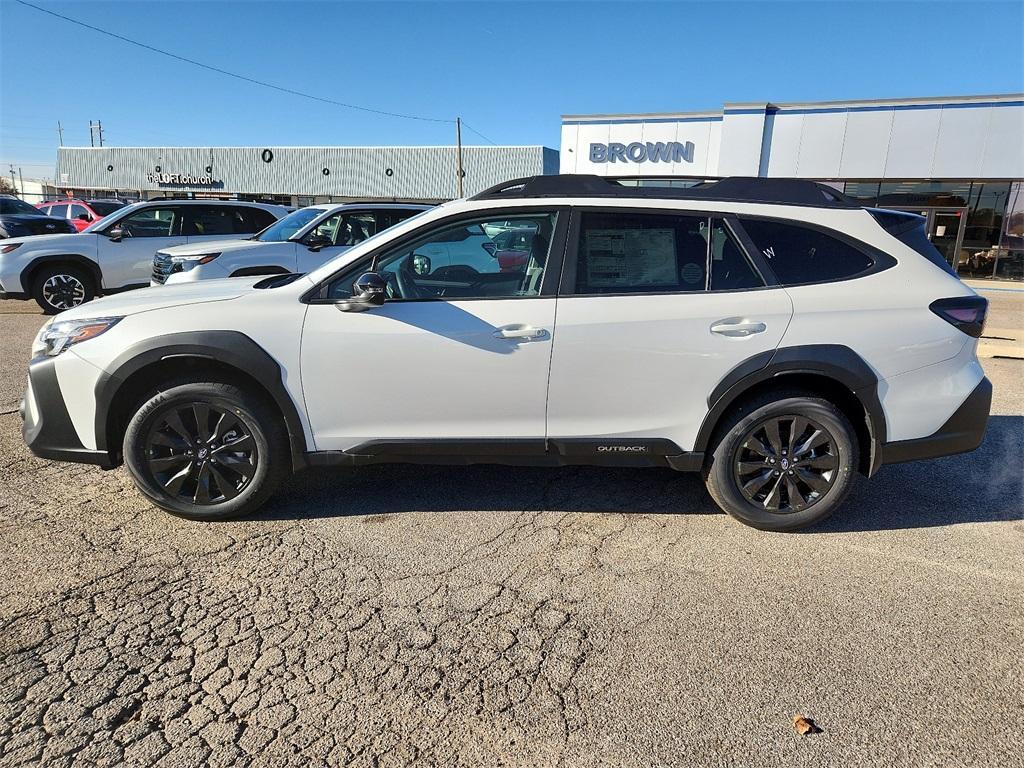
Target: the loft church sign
[642,152]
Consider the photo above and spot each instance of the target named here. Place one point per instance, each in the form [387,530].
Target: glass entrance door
[945,228]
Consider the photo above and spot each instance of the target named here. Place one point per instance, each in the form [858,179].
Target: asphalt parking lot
[511,616]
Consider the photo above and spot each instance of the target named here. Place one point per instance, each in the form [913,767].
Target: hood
[74,240]
[162,297]
[26,224]
[210,246]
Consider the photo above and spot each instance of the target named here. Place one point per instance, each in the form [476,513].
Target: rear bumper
[47,427]
[962,432]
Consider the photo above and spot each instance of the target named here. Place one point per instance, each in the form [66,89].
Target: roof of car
[745,189]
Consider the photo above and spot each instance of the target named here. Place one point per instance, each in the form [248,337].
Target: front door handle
[738,328]
[520,331]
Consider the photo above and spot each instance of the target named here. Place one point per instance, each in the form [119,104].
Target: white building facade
[959,161]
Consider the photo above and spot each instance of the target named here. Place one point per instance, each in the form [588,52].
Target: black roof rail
[739,189]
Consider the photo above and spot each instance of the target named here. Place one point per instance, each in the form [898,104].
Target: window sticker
[629,258]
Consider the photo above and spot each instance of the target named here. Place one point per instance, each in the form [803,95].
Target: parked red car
[82,213]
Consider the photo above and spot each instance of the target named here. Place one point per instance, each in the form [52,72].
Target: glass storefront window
[1009,260]
[864,191]
[944,194]
[980,248]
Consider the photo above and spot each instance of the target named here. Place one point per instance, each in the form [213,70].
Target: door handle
[520,332]
[738,328]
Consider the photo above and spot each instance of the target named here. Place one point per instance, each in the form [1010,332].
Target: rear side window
[641,253]
[250,220]
[801,255]
[60,211]
[730,268]
[909,229]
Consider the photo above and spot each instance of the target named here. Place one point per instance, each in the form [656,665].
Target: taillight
[967,313]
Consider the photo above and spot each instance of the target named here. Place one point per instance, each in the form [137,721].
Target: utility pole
[60,133]
[98,127]
[458,145]
[13,185]
[21,180]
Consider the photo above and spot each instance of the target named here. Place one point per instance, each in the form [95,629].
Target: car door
[655,308]
[456,359]
[126,246]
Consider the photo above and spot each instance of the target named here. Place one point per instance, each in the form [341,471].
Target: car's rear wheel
[206,451]
[783,461]
[62,286]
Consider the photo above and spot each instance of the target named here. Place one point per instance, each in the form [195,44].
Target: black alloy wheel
[201,454]
[59,287]
[786,464]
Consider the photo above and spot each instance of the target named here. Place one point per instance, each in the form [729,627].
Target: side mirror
[490,247]
[84,217]
[116,234]
[316,242]
[368,291]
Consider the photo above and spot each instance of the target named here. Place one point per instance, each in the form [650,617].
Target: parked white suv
[116,252]
[770,333]
[300,242]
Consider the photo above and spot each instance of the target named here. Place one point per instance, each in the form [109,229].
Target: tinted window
[14,205]
[60,211]
[104,208]
[730,268]
[152,222]
[642,253]
[461,261]
[249,220]
[346,228]
[206,220]
[79,210]
[800,255]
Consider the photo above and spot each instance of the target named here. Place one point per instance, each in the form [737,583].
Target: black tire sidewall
[47,271]
[722,483]
[253,413]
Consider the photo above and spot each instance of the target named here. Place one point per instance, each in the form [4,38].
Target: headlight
[9,248]
[61,334]
[195,258]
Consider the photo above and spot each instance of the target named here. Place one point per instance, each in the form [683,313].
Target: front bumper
[47,427]
[962,432]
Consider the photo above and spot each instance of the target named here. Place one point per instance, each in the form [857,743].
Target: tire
[231,463]
[749,473]
[58,287]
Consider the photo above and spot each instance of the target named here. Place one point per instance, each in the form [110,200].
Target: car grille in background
[163,267]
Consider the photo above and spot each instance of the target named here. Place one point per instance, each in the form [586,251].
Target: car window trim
[567,284]
[552,270]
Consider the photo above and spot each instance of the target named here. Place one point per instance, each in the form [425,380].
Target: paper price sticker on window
[631,257]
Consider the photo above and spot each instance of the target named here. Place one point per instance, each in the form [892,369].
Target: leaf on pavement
[805,725]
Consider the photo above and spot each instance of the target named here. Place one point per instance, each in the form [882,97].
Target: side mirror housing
[317,242]
[368,291]
[116,234]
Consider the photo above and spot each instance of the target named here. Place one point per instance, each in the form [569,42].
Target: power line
[235,75]
[474,130]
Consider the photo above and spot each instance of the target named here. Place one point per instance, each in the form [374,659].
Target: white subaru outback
[300,242]
[770,333]
[115,253]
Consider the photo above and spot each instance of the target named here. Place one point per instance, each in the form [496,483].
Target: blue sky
[509,69]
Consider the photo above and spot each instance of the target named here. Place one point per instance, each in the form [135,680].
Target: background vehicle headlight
[62,334]
[195,258]
[9,248]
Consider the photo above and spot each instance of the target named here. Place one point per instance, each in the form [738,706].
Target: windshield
[14,205]
[284,228]
[105,208]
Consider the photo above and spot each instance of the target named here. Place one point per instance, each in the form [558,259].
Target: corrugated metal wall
[415,172]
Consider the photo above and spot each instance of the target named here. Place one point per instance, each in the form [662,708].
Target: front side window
[79,210]
[152,222]
[346,229]
[463,261]
[801,255]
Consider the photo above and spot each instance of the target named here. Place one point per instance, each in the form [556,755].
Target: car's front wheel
[206,451]
[783,461]
[62,286]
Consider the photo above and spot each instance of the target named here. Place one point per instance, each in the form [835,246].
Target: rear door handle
[735,327]
[520,331]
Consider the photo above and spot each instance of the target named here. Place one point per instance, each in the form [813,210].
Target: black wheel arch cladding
[31,270]
[231,349]
[833,362]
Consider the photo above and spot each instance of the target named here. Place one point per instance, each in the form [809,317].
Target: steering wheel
[407,287]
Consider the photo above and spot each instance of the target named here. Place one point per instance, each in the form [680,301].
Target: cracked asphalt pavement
[510,616]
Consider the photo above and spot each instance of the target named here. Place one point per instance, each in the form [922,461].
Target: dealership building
[958,161]
[295,175]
